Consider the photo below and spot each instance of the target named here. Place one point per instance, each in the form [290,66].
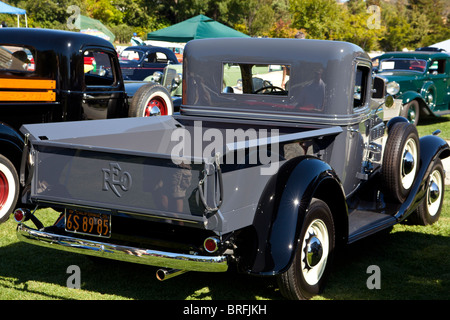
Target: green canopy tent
[198,27]
[94,27]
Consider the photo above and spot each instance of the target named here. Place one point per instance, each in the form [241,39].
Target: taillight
[20,215]
[211,244]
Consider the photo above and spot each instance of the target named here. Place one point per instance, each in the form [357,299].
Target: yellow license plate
[89,223]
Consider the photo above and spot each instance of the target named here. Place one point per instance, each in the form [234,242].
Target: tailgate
[117,164]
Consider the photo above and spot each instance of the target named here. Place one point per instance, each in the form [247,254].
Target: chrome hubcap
[434,193]
[408,164]
[411,116]
[315,248]
[314,251]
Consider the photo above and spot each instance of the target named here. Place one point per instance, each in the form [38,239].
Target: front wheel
[308,272]
[9,188]
[411,111]
[429,210]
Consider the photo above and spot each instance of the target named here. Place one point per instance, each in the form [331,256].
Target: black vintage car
[139,62]
[52,76]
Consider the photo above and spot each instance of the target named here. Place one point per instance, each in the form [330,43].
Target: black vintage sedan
[139,62]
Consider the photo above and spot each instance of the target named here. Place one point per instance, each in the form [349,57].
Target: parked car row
[419,81]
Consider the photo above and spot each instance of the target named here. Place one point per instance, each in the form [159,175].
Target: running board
[364,223]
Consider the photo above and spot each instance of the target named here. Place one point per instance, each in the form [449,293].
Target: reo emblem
[116,179]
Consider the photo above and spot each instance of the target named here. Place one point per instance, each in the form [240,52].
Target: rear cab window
[246,78]
[17,59]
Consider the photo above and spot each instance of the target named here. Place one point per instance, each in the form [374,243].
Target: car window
[437,67]
[360,88]
[244,78]
[131,55]
[17,59]
[405,64]
[98,69]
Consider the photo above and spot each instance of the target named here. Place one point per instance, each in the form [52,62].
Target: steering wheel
[271,88]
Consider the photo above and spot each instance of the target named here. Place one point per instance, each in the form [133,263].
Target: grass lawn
[414,264]
[429,124]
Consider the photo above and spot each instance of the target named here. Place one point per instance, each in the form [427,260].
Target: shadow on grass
[428,125]
[412,266]
[21,263]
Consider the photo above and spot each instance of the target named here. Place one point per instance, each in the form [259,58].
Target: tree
[360,26]
[322,19]
[398,30]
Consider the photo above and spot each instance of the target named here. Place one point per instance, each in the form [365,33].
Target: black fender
[395,120]
[431,148]
[282,207]
[11,144]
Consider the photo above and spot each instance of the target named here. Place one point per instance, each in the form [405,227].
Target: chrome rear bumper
[188,262]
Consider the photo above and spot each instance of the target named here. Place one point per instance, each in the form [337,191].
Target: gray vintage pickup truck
[279,156]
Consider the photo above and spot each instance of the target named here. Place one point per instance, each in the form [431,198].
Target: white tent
[442,45]
[6,8]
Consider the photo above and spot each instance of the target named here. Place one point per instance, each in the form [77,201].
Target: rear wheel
[400,161]
[429,209]
[149,96]
[9,188]
[307,274]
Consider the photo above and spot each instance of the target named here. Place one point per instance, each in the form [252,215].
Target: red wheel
[156,102]
[149,96]
[4,189]
[9,188]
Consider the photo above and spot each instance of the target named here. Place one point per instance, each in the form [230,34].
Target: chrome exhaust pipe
[165,274]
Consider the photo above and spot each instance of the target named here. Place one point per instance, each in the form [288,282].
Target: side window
[437,67]
[98,69]
[361,83]
[161,57]
[17,59]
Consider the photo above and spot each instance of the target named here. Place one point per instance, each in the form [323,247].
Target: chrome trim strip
[162,259]
[333,120]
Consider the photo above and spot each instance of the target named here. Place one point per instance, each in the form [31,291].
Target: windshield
[131,55]
[403,64]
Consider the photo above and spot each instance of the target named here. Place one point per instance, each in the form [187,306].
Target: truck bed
[129,167]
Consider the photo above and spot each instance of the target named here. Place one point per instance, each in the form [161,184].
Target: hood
[399,76]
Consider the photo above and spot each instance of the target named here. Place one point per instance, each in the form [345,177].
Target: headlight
[157,76]
[178,78]
[392,88]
